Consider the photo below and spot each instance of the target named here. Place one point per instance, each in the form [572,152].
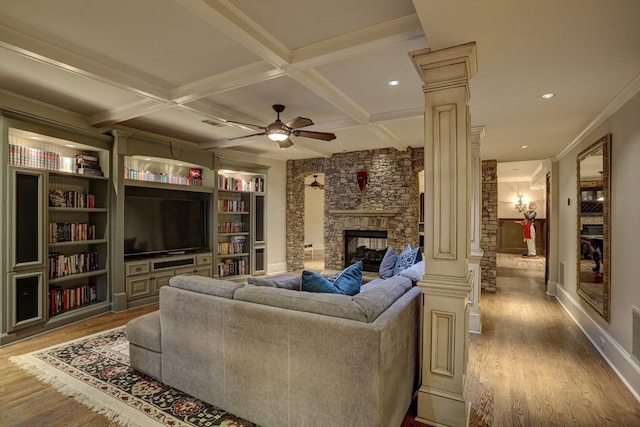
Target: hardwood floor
[531,366]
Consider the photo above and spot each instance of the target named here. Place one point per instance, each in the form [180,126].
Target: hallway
[533,366]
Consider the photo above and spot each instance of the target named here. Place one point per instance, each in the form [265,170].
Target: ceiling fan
[315,184]
[280,132]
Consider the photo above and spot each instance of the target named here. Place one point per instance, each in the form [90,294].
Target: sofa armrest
[206,285]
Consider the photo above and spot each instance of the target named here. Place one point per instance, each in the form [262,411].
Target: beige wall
[314,214]
[624,127]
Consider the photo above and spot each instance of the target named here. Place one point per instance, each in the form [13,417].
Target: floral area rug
[95,371]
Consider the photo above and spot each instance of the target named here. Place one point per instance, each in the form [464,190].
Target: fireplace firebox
[367,246]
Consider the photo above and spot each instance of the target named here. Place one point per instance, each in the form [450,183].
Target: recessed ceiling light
[394,82]
[524,146]
[180,164]
[147,158]
[547,95]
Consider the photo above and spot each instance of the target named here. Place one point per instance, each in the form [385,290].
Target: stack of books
[87,164]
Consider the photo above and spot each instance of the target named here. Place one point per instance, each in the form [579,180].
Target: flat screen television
[155,226]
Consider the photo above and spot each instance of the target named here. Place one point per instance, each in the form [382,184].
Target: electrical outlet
[603,343]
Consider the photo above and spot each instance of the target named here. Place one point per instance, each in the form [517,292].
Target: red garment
[526,225]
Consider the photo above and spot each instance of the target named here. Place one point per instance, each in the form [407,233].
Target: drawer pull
[138,268]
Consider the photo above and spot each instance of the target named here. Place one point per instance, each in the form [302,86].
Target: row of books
[71,199]
[231,227]
[71,232]
[229,183]
[225,205]
[63,299]
[233,267]
[39,159]
[166,178]
[65,265]
[230,248]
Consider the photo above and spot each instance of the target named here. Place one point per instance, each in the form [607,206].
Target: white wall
[624,127]
[508,196]
[314,213]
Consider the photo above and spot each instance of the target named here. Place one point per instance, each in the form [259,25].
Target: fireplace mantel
[364,212]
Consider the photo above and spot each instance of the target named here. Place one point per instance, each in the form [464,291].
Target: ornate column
[475,257]
[442,396]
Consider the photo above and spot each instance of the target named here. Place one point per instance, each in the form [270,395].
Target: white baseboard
[475,323]
[551,288]
[617,357]
[279,268]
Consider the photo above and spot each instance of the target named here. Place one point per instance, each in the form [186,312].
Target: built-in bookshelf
[138,168]
[61,187]
[239,215]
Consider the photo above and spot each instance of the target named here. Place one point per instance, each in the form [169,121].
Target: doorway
[314,222]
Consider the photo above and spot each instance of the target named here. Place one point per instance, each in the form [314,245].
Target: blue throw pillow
[388,263]
[406,258]
[347,282]
[314,282]
[350,279]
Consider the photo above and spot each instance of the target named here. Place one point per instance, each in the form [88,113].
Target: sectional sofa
[281,357]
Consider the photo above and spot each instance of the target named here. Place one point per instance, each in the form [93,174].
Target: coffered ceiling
[182,68]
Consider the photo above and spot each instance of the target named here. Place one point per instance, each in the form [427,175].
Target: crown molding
[621,99]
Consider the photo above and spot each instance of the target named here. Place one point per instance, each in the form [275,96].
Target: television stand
[144,278]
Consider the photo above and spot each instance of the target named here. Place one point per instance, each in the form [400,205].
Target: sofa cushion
[283,281]
[380,294]
[407,258]
[144,331]
[347,282]
[415,272]
[206,285]
[388,263]
[335,305]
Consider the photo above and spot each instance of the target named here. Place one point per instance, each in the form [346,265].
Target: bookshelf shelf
[163,185]
[55,209]
[233,255]
[57,317]
[233,213]
[77,175]
[77,276]
[245,233]
[78,243]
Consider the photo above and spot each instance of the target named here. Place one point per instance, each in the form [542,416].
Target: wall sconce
[363,179]
[520,205]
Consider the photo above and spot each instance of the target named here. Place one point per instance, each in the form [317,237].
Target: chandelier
[520,205]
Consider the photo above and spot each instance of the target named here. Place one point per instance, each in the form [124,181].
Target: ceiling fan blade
[285,144]
[299,122]
[325,136]
[246,136]
[231,122]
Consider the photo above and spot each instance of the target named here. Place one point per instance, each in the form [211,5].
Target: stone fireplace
[389,203]
[367,246]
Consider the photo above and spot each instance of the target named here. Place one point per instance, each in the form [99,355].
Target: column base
[475,323]
[442,409]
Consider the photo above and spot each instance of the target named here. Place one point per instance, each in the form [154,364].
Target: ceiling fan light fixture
[278,131]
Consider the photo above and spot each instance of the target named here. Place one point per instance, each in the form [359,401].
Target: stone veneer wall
[393,184]
[489,240]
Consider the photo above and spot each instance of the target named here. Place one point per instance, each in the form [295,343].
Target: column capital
[477,134]
[455,66]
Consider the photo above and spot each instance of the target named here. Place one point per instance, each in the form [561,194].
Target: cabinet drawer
[138,287]
[138,267]
[203,259]
[184,270]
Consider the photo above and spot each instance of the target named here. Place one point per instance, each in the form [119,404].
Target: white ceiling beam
[224,143]
[322,87]
[227,18]
[234,79]
[216,112]
[47,53]
[386,135]
[127,112]
[357,42]
[313,147]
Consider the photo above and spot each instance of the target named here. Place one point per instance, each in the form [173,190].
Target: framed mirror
[593,206]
